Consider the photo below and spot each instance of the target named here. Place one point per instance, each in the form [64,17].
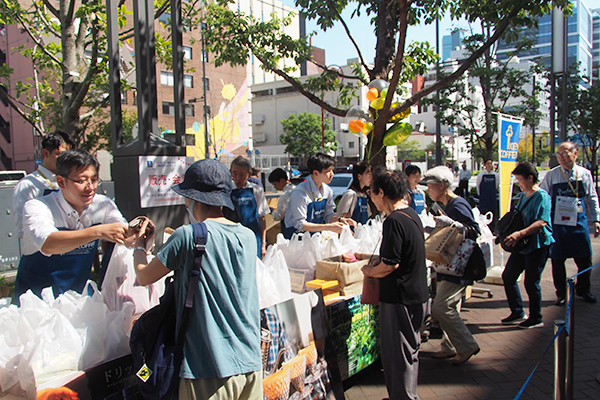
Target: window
[204,56]
[166,78]
[165,18]
[187,52]
[168,108]
[134,94]
[350,145]
[124,97]
[189,110]
[206,83]
[188,81]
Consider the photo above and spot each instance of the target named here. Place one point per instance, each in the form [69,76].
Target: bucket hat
[207,181]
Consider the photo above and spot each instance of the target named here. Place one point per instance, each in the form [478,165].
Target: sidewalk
[508,354]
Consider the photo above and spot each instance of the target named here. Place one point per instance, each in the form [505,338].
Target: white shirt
[31,187]
[480,178]
[555,175]
[300,199]
[45,215]
[262,207]
[284,200]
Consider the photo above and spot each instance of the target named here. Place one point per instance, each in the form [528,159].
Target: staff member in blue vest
[488,182]
[250,203]
[417,196]
[43,180]
[570,185]
[61,230]
[311,204]
[355,202]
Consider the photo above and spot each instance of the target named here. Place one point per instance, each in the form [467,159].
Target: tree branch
[38,42]
[50,7]
[464,66]
[324,67]
[26,116]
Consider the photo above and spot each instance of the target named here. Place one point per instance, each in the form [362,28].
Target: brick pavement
[508,354]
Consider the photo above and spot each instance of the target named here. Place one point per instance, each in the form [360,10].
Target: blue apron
[68,271]
[570,241]
[315,213]
[488,200]
[245,204]
[361,210]
[48,191]
[417,201]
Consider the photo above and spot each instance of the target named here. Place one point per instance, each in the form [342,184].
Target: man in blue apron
[570,185]
[250,203]
[311,204]
[280,181]
[43,180]
[61,230]
[488,183]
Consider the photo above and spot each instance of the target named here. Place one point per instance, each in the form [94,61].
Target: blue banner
[508,149]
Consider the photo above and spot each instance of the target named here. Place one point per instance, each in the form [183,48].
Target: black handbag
[511,222]
[156,351]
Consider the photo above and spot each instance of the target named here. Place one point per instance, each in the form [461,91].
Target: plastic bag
[301,252]
[368,236]
[120,284]
[484,220]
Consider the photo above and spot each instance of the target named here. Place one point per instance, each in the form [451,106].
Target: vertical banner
[509,129]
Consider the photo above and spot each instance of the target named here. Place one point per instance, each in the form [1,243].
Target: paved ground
[508,354]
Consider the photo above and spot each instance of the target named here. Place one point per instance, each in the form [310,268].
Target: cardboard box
[349,275]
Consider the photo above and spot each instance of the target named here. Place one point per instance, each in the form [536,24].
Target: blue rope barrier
[585,270]
[538,364]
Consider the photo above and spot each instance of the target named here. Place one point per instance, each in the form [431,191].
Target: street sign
[451,140]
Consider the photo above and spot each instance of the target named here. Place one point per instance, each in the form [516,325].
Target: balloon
[359,112]
[377,104]
[402,115]
[356,125]
[367,128]
[378,84]
[372,94]
[397,134]
[384,93]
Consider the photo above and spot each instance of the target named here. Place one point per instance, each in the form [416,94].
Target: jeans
[533,264]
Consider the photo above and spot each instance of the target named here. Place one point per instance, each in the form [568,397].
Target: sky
[338,48]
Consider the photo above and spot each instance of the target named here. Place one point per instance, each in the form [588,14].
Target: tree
[232,36]
[302,135]
[68,41]
[469,104]
[409,150]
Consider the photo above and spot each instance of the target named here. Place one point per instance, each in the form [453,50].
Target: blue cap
[207,181]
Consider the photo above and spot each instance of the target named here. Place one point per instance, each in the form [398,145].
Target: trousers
[559,276]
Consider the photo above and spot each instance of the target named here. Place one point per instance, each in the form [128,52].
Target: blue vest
[68,271]
[245,205]
[315,213]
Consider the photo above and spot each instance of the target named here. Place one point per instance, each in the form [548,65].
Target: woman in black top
[458,342]
[403,289]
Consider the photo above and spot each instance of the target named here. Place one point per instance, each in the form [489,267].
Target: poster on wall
[157,175]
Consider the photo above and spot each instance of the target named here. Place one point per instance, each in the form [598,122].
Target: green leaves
[302,134]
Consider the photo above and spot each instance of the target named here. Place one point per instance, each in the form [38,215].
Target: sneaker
[513,319]
[531,323]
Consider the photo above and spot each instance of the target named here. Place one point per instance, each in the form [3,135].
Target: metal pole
[559,361]
[533,92]
[438,129]
[205,107]
[570,341]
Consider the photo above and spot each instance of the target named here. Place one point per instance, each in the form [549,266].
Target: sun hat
[207,181]
[439,174]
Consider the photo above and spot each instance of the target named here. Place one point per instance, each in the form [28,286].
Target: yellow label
[144,373]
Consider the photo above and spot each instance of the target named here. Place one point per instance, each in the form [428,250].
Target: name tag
[565,211]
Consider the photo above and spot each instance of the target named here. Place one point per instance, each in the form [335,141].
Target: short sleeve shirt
[403,243]
[537,208]
[223,333]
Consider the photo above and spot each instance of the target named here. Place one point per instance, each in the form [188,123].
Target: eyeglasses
[564,154]
[86,182]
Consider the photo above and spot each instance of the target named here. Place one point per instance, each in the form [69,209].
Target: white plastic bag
[120,284]
[301,252]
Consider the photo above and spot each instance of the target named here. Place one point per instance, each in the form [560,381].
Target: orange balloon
[372,94]
[356,125]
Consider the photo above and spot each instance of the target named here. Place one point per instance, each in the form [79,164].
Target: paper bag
[442,244]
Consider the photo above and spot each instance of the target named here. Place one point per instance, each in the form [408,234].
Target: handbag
[459,262]
[156,350]
[512,222]
[442,244]
[370,291]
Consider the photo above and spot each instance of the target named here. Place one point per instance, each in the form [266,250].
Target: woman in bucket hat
[224,323]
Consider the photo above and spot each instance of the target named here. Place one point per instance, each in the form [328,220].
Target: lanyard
[47,180]
[576,188]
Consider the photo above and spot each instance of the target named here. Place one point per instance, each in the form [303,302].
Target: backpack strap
[200,236]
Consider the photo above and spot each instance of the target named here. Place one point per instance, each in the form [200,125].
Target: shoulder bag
[511,222]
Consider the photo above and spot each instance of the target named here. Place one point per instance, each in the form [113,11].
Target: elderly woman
[403,289]
[458,342]
[535,204]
